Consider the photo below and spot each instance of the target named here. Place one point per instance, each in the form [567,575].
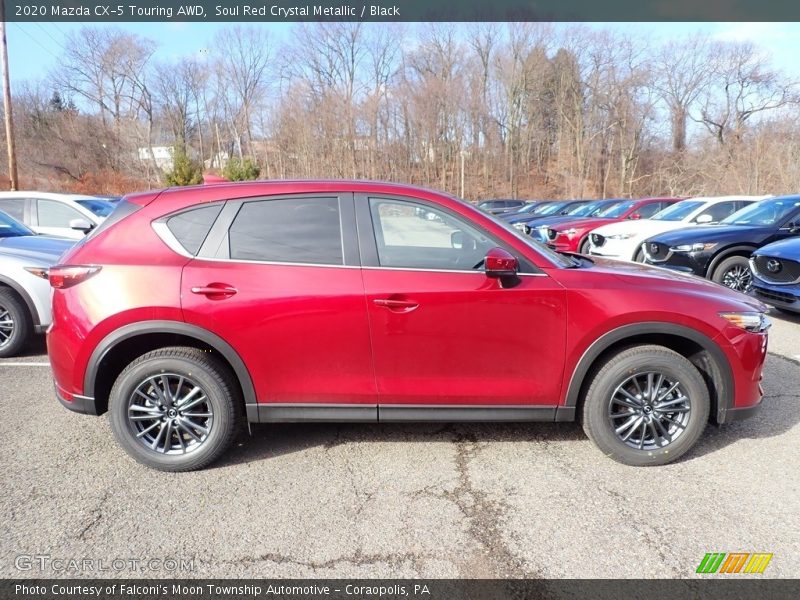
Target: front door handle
[401,306]
[215,290]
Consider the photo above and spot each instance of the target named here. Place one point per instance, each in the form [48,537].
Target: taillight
[38,271]
[68,275]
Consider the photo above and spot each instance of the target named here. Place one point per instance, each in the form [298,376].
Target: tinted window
[14,207]
[648,210]
[56,214]
[443,242]
[718,211]
[296,230]
[190,228]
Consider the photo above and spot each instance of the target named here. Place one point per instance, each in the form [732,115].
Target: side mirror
[457,240]
[81,225]
[499,263]
[794,228]
[704,218]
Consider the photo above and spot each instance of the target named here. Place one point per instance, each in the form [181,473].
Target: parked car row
[716,238]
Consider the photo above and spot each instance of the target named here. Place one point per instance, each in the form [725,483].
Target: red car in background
[573,236]
[189,310]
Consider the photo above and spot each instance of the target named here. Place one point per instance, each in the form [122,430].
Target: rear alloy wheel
[15,323]
[174,409]
[646,405]
[734,272]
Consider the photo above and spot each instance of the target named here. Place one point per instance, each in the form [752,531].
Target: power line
[47,33]
[37,42]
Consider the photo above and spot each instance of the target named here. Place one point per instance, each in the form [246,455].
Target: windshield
[591,209]
[679,211]
[102,208]
[615,210]
[551,208]
[12,228]
[534,208]
[767,212]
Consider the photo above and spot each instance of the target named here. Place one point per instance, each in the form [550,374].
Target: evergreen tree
[185,171]
[241,169]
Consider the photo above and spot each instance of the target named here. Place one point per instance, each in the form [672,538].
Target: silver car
[24,288]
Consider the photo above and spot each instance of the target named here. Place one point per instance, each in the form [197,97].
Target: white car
[64,215]
[623,240]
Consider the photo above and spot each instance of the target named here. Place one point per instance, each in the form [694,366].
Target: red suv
[190,309]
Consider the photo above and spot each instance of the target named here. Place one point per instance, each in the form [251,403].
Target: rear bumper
[78,404]
[740,414]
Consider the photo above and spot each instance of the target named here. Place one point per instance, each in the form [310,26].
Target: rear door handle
[402,306]
[215,289]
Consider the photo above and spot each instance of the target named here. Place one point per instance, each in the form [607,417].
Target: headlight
[570,231]
[621,236]
[693,247]
[542,227]
[749,321]
[520,226]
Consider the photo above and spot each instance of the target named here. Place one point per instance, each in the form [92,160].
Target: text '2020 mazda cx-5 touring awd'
[190,309]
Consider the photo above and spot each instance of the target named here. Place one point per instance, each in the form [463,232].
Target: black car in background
[501,205]
[721,252]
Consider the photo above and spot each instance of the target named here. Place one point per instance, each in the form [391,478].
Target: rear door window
[291,230]
[56,214]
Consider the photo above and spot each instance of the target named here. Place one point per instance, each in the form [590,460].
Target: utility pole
[12,155]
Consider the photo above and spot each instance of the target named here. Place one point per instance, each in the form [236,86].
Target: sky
[33,48]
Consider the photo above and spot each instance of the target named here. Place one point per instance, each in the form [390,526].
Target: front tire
[584,247]
[734,272]
[175,409]
[646,405]
[16,327]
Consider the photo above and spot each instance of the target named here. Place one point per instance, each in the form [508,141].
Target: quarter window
[410,235]
[191,227]
[293,230]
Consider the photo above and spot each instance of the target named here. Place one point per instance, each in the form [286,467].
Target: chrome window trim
[162,231]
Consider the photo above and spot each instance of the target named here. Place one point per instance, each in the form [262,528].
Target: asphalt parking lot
[484,500]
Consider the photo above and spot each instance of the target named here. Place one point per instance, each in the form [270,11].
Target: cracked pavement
[401,500]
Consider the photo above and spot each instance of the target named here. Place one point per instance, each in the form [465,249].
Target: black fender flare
[724,381]
[177,327]
[26,298]
[726,253]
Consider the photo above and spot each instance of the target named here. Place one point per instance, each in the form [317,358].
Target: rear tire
[16,325]
[734,272]
[175,409]
[646,405]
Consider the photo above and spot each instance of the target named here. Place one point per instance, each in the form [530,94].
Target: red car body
[572,236]
[359,341]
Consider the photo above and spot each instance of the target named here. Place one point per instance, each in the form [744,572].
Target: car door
[443,333]
[15,208]
[54,217]
[279,279]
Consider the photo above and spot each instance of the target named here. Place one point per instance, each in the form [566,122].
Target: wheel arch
[121,346]
[26,298]
[701,350]
[738,250]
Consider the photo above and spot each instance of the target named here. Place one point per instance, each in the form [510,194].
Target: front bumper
[79,404]
[740,414]
[786,297]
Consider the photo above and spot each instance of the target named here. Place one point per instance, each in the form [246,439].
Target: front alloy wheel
[646,405]
[649,410]
[734,272]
